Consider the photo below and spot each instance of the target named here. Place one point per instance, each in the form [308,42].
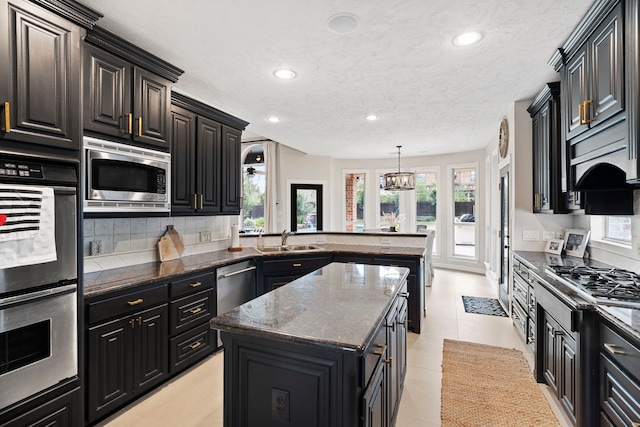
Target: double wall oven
[38,277]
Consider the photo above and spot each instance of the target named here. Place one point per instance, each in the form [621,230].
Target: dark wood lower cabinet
[619,377]
[60,411]
[126,357]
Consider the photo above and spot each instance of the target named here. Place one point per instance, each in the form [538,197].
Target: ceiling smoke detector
[343,23]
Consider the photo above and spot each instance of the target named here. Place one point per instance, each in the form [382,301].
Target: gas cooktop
[600,284]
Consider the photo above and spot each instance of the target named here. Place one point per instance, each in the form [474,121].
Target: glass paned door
[306,207]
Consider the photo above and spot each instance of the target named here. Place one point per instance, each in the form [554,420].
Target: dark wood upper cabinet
[127,91]
[40,95]
[206,159]
[549,165]
[594,83]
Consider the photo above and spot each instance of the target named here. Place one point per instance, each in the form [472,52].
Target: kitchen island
[328,349]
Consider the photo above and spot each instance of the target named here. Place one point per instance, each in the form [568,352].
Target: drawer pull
[195,345]
[614,349]
[196,310]
[136,302]
[195,285]
[297,264]
[382,351]
[389,361]
[635,424]
[404,295]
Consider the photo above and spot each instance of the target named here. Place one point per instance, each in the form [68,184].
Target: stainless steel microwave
[125,178]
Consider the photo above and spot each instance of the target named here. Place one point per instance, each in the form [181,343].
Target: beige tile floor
[194,399]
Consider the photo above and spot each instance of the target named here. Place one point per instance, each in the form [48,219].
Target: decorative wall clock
[503,138]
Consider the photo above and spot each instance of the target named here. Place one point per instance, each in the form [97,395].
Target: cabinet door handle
[195,345]
[580,113]
[558,333]
[635,424]
[140,126]
[196,310]
[195,285]
[613,349]
[7,118]
[585,111]
[195,201]
[297,264]
[382,351]
[201,201]
[389,361]
[392,326]
[136,302]
[130,128]
[139,321]
[405,295]
[132,322]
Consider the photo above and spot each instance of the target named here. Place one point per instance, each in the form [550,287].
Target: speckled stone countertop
[105,281]
[627,319]
[338,306]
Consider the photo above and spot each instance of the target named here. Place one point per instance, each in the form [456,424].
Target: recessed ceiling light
[372,117]
[468,38]
[284,74]
[273,119]
[343,23]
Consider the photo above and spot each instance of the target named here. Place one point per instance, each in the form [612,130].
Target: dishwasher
[236,284]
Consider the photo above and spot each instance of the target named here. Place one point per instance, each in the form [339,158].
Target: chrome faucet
[285,236]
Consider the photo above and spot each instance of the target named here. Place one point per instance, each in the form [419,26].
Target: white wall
[295,166]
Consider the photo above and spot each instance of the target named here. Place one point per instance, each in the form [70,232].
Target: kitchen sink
[303,247]
[290,248]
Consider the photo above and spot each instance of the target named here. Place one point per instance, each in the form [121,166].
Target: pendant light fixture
[399,181]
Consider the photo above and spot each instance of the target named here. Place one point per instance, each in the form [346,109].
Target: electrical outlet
[548,235]
[280,405]
[321,238]
[531,235]
[385,241]
[205,236]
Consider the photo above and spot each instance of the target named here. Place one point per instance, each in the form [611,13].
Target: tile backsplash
[119,242]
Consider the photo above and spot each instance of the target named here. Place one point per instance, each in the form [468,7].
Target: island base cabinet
[269,383]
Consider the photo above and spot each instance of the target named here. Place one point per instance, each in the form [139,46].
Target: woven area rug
[484,385]
[481,305]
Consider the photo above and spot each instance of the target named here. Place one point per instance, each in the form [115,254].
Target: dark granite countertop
[338,306]
[105,281]
[628,319]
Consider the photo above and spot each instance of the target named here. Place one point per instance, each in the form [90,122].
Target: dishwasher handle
[233,273]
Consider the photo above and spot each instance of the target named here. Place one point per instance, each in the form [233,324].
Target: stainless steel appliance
[124,178]
[236,284]
[38,299]
[604,285]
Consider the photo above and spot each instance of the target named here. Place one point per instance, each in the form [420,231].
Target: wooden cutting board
[176,239]
[170,245]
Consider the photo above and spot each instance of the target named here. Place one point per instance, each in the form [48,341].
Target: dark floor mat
[480,305]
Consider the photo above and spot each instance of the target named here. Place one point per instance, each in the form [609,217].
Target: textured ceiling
[399,63]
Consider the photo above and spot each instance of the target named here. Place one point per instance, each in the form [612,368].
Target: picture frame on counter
[575,242]
[554,246]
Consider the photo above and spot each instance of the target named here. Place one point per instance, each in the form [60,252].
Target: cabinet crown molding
[132,53]
[594,16]
[202,109]
[71,10]
[550,90]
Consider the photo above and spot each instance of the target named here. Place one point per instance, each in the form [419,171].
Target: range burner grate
[602,283]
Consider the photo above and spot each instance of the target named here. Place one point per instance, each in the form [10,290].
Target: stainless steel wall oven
[38,277]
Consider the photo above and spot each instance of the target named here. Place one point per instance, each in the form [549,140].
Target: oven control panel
[20,169]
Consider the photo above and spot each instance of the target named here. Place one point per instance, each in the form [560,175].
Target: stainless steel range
[602,285]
